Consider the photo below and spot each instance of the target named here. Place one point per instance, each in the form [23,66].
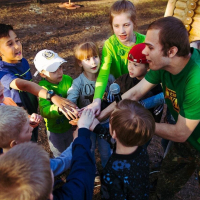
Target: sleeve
[80,181]
[153,76]
[61,163]
[191,104]
[104,133]
[7,78]
[47,109]
[74,91]
[104,71]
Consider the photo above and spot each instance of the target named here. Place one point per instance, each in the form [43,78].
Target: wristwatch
[50,93]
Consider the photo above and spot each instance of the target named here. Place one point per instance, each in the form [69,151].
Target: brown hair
[83,51]
[4,30]
[172,33]
[25,173]
[134,125]
[123,6]
[12,119]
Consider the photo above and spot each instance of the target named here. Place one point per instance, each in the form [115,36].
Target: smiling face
[1,93]
[53,77]
[123,28]
[137,70]
[10,48]
[153,51]
[91,64]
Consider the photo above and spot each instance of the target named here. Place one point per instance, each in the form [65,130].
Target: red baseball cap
[135,54]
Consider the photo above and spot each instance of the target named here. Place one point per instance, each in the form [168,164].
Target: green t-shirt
[182,92]
[55,122]
[113,61]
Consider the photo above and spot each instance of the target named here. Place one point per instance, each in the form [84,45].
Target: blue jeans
[103,147]
[153,101]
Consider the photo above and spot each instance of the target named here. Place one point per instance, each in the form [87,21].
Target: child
[16,77]
[14,127]
[116,48]
[34,118]
[19,170]
[50,67]
[138,67]
[126,174]
[14,131]
[82,89]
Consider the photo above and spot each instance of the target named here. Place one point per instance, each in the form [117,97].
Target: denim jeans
[153,101]
[103,147]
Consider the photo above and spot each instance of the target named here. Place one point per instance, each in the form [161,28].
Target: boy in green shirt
[50,67]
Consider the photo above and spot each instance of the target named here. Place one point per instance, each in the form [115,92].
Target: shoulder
[67,78]
[139,37]
[79,79]
[112,40]
[43,82]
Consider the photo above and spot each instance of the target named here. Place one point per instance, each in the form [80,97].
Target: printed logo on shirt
[48,55]
[171,95]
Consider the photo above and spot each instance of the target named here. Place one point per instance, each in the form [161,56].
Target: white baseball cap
[47,60]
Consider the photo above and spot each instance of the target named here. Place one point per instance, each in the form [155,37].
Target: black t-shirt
[126,82]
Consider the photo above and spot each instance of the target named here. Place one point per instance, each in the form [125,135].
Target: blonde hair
[133,124]
[25,173]
[83,51]
[123,6]
[12,119]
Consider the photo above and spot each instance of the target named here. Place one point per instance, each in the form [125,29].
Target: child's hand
[35,119]
[95,106]
[68,108]
[70,114]
[86,119]
[95,122]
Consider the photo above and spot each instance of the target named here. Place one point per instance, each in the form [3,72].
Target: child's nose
[92,61]
[16,45]
[122,29]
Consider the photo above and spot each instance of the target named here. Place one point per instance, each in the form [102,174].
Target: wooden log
[189,13]
[195,25]
[197,10]
[184,19]
[188,27]
[190,0]
[183,5]
[170,8]
[193,38]
[196,17]
[179,12]
[186,12]
[195,32]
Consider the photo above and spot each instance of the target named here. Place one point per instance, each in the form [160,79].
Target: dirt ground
[45,26]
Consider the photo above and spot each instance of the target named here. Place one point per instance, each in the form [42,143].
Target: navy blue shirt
[9,72]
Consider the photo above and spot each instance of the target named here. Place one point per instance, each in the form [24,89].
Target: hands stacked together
[72,112]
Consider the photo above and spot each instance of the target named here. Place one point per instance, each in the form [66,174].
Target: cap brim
[55,65]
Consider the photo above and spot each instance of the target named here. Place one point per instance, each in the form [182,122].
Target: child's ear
[42,75]
[80,64]
[13,143]
[114,135]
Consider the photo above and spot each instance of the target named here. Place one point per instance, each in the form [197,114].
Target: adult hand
[86,119]
[95,106]
[68,108]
